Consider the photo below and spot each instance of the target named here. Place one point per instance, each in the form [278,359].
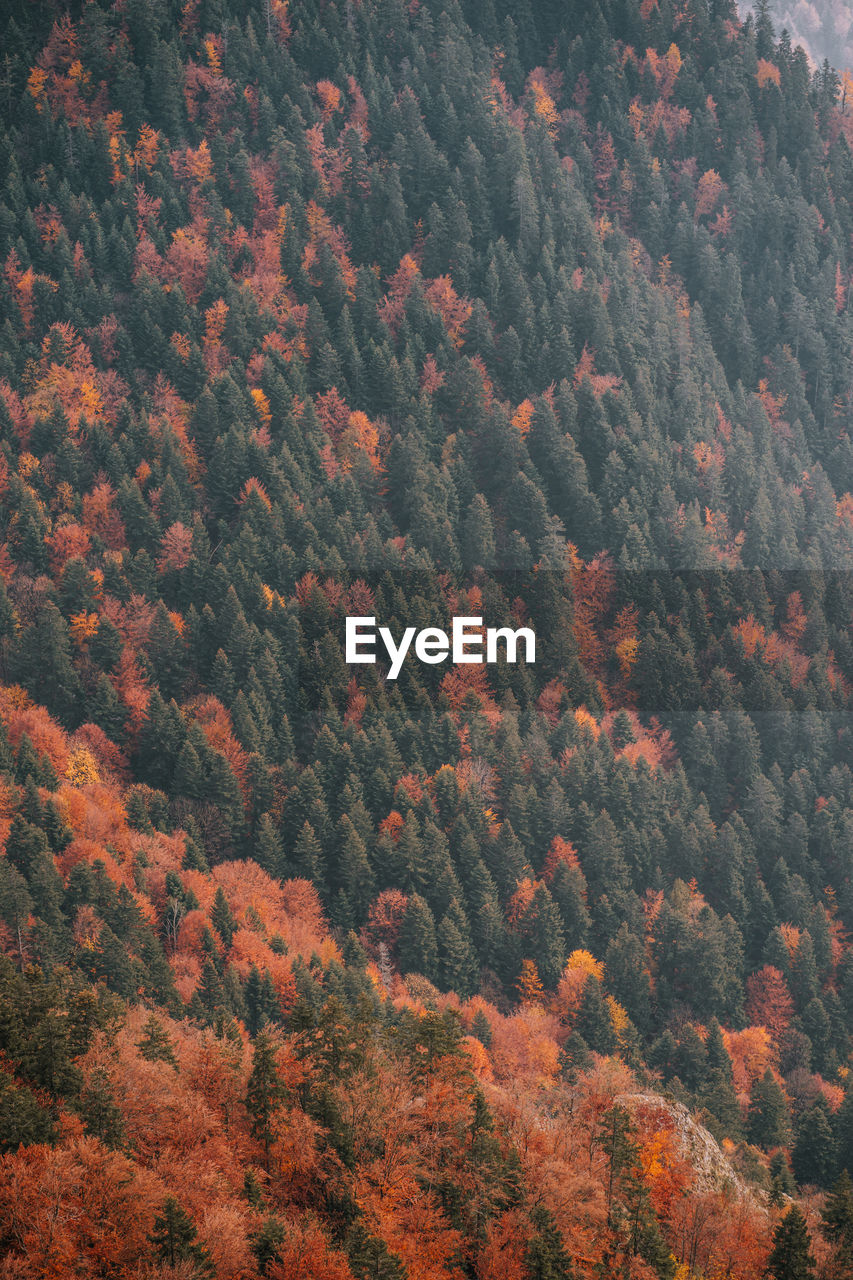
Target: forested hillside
[532,311]
[824,28]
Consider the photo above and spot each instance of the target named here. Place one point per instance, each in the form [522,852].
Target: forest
[824,29]
[424,309]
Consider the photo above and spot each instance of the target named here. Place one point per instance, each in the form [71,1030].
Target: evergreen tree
[843,1126]
[369,1256]
[781,1182]
[267,846]
[22,1119]
[545,1257]
[813,1154]
[838,1222]
[417,947]
[155,1044]
[354,876]
[265,1242]
[261,1001]
[222,918]
[767,1119]
[42,663]
[627,976]
[457,965]
[99,1110]
[594,1022]
[308,855]
[265,1092]
[174,1240]
[791,1257]
[718,1092]
[542,931]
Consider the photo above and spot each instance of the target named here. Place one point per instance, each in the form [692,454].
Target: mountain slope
[421,311]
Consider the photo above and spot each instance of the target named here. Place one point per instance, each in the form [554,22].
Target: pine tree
[542,930]
[804,978]
[767,1120]
[222,679]
[307,857]
[838,1222]
[16,904]
[26,846]
[616,1141]
[781,1181]
[160,742]
[791,1257]
[545,1257]
[568,889]
[718,1092]
[369,1256]
[843,1126]
[627,976]
[189,774]
[354,875]
[100,1111]
[42,663]
[30,764]
[457,964]
[267,846]
[22,1119]
[254,1000]
[174,1240]
[482,1028]
[417,948]
[594,1022]
[223,790]
[210,992]
[59,834]
[265,1241]
[155,1044]
[265,1092]
[106,710]
[222,918]
[813,1154]
[478,535]
[604,862]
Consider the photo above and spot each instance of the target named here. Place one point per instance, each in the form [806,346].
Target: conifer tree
[838,1222]
[155,1044]
[594,1022]
[174,1240]
[791,1257]
[813,1153]
[546,1257]
[265,1092]
[307,857]
[267,846]
[222,918]
[99,1110]
[542,930]
[767,1119]
[417,947]
[718,1093]
[457,965]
